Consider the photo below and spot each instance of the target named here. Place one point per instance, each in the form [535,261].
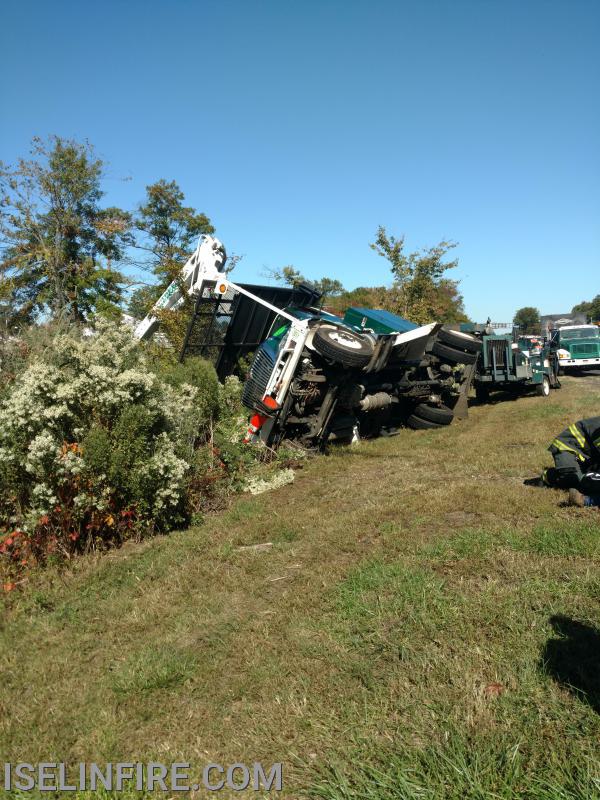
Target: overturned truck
[318,377]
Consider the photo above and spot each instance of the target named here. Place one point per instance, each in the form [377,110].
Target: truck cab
[518,367]
[577,346]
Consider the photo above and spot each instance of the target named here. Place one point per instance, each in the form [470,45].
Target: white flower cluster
[258,485]
[83,382]
[230,394]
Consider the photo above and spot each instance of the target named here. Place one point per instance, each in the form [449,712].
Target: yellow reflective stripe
[562,446]
[577,434]
[597,443]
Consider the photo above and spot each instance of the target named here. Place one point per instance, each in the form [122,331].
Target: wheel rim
[345,340]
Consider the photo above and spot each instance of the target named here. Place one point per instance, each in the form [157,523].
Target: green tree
[328,287]
[528,319]
[591,308]
[167,233]
[59,246]
[361,297]
[420,292]
[142,300]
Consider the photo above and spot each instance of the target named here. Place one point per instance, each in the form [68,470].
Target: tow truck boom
[204,268]
[204,271]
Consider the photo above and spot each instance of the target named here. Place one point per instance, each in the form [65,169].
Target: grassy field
[422,625]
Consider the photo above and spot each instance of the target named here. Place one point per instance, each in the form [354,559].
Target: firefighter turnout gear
[576,453]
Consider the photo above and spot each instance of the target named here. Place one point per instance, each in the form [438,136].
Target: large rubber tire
[460,340]
[543,388]
[441,415]
[343,346]
[418,423]
[451,354]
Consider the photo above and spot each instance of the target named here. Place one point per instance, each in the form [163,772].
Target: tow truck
[512,362]
[577,347]
[318,377]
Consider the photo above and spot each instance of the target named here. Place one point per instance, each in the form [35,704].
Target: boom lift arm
[203,272]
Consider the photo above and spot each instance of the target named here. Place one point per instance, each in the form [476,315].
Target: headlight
[563,354]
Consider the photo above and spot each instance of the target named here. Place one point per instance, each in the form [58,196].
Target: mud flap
[461,409]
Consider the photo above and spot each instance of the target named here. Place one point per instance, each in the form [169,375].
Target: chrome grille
[256,384]
[497,348]
[584,349]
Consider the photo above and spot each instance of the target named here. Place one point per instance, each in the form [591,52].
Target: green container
[377,320]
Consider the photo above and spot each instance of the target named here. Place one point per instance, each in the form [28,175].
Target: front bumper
[579,362]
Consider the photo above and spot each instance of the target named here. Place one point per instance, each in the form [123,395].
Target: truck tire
[460,340]
[343,346]
[451,354]
[543,388]
[418,423]
[424,417]
[440,414]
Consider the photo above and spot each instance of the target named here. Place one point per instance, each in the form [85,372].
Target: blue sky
[300,127]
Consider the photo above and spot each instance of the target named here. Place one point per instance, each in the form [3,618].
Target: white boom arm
[203,271]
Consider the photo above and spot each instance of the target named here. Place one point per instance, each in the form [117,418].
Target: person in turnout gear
[576,453]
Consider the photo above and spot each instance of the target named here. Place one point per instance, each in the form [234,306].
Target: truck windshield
[279,327]
[580,333]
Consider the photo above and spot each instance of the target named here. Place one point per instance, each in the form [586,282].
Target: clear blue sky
[299,127]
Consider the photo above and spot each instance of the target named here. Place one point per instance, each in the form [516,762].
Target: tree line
[528,318]
[420,291]
[64,251]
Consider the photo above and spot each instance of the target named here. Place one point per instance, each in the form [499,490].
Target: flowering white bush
[257,485]
[93,441]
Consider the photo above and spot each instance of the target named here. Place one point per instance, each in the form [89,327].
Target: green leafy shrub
[202,376]
[95,447]
[220,464]
[104,439]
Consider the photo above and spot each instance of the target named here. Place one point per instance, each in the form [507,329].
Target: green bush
[103,438]
[95,447]
[202,376]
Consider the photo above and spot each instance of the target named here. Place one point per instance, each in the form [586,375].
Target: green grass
[155,667]
[423,626]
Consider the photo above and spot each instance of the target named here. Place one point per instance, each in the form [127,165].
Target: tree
[166,232]
[328,287]
[591,308]
[447,302]
[58,246]
[361,297]
[420,292]
[528,320]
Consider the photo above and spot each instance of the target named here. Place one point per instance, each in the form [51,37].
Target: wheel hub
[346,341]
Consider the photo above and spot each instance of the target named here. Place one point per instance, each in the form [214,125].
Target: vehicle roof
[573,327]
